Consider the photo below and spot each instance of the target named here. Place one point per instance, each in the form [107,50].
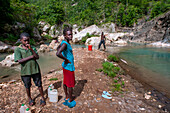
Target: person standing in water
[64,51]
[102,41]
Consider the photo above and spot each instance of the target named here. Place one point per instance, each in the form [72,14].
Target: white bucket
[53,97]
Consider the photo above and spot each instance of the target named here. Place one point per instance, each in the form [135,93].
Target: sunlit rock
[9,61]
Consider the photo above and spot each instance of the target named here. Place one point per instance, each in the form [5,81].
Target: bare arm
[34,56]
[25,59]
[60,48]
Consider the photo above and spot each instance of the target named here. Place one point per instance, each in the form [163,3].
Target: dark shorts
[36,78]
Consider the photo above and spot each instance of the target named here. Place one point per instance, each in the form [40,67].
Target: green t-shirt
[31,66]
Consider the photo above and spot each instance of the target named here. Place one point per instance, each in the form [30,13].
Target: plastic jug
[53,97]
[22,109]
[50,87]
[27,110]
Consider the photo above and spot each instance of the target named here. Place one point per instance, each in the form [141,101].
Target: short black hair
[24,34]
[66,29]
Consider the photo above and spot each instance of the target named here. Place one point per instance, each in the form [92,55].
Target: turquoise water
[157,60]
[151,64]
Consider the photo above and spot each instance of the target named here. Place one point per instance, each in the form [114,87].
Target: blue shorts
[36,78]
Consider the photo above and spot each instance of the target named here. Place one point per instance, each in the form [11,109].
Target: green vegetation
[82,13]
[100,70]
[52,79]
[112,58]
[114,72]
[48,37]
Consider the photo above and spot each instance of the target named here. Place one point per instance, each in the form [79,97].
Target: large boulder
[93,41]
[36,33]
[60,38]
[5,48]
[53,32]
[115,36]
[9,61]
[92,30]
[53,45]
[154,30]
[108,27]
[44,48]
[46,28]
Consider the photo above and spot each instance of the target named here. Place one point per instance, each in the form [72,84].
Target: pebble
[147,96]
[120,103]
[98,99]
[154,100]
[159,106]
[95,109]
[142,109]
[149,92]
[90,109]
[113,99]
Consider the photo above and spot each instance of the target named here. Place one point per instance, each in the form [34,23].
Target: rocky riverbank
[88,90]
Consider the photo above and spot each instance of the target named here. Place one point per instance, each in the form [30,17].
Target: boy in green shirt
[26,55]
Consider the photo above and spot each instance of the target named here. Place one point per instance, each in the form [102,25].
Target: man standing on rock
[64,51]
[26,55]
[102,41]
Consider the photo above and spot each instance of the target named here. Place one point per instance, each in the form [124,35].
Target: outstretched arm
[61,48]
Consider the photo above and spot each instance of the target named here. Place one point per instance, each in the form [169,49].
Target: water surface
[152,64]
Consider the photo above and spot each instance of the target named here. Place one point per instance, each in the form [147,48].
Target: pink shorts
[69,78]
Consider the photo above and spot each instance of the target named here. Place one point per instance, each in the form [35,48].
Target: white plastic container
[22,109]
[53,97]
[27,110]
[50,87]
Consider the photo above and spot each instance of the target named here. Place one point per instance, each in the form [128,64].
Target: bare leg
[29,95]
[70,89]
[65,91]
[41,92]
[42,95]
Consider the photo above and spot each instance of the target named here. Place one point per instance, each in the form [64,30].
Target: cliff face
[157,29]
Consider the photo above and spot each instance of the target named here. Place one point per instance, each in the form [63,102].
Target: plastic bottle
[22,109]
[27,110]
[50,87]
[53,97]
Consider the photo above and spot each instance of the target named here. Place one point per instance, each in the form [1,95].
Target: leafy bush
[10,37]
[159,7]
[32,41]
[108,68]
[112,58]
